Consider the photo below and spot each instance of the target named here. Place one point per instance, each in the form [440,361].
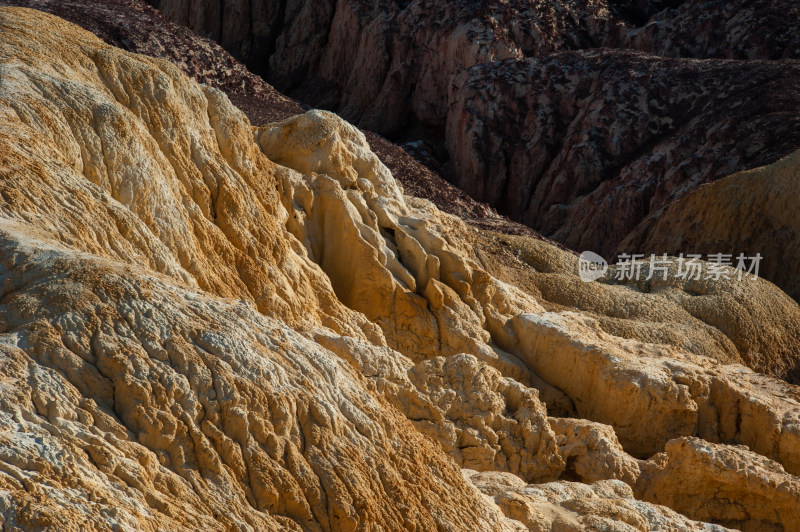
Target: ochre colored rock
[579,146]
[389,258]
[614,381]
[724,484]
[163,406]
[744,213]
[206,325]
[575,507]
[592,452]
[131,398]
[482,420]
[749,322]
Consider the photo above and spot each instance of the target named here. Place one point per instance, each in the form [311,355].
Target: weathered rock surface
[708,482]
[574,507]
[749,212]
[398,263]
[210,325]
[135,26]
[482,420]
[383,64]
[724,484]
[169,163]
[389,67]
[754,324]
[717,403]
[592,452]
[369,50]
[738,29]
[151,402]
[581,146]
[135,403]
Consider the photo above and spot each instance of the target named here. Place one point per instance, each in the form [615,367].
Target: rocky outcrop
[710,479]
[739,29]
[573,507]
[135,26]
[130,397]
[210,325]
[728,485]
[369,60]
[750,324]
[189,223]
[749,212]
[385,64]
[134,402]
[482,420]
[592,452]
[600,375]
[389,67]
[581,146]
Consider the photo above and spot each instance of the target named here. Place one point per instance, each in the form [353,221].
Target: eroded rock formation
[739,29]
[717,475]
[573,507]
[381,63]
[210,325]
[583,145]
[524,136]
[193,411]
[368,50]
[749,212]
[135,26]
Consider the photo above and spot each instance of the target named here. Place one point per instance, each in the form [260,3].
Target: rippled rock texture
[206,324]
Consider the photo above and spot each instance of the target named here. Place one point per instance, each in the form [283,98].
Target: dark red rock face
[583,145]
[724,29]
[384,64]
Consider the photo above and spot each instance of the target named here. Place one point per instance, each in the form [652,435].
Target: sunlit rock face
[210,325]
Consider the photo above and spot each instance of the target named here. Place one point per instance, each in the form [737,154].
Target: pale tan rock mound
[131,402]
[575,507]
[724,484]
[592,452]
[133,399]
